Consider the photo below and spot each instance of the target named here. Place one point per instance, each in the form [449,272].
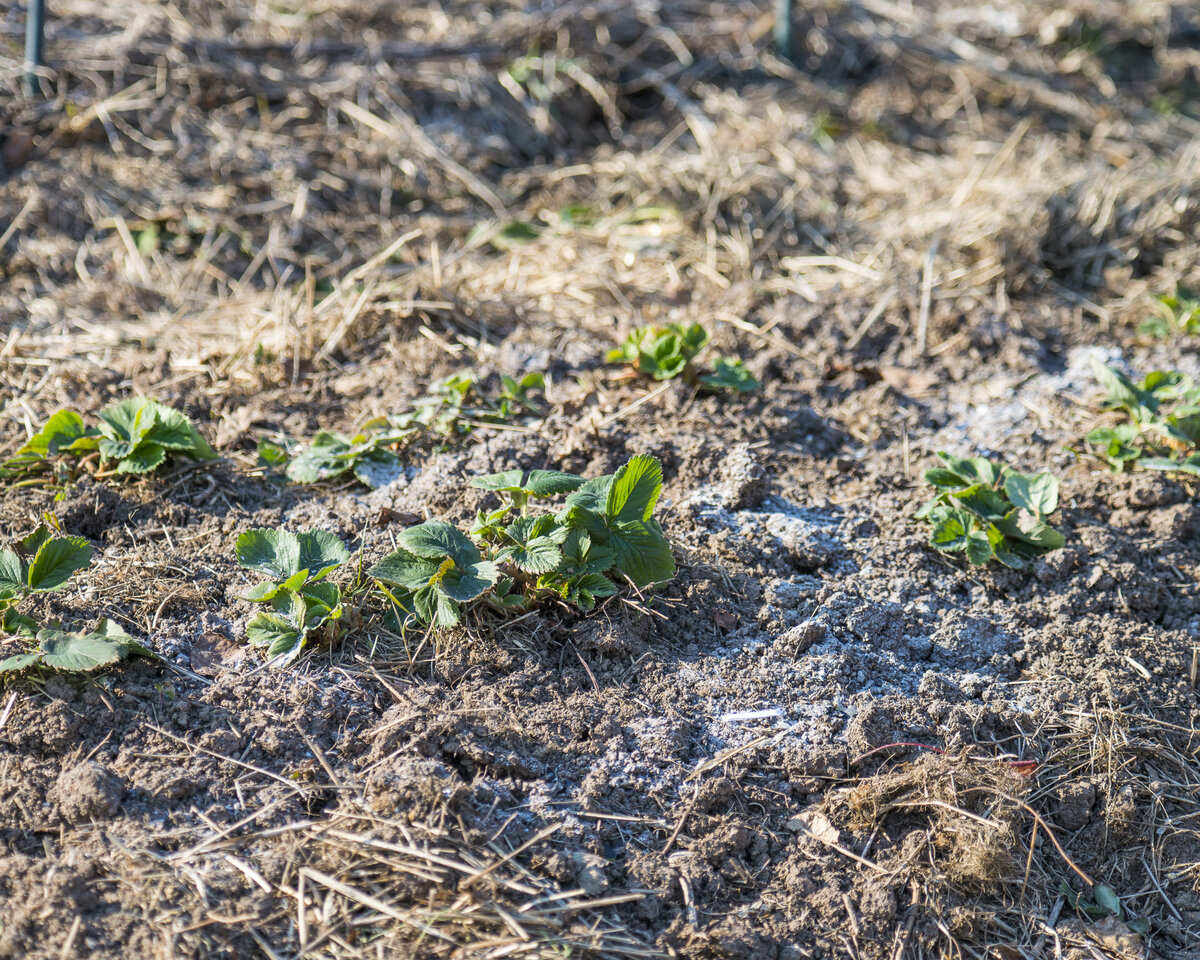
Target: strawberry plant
[136,435]
[603,534]
[453,409]
[303,602]
[1162,429]
[988,511]
[77,652]
[40,563]
[1177,312]
[667,352]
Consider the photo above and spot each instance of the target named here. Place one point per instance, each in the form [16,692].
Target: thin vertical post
[35,32]
[783,29]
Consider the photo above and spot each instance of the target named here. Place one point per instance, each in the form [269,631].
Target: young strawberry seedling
[667,352]
[604,533]
[1163,427]
[987,511]
[134,436]
[453,409]
[40,563]
[1174,313]
[304,602]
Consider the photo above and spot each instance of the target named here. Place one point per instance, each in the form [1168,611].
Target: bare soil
[822,739]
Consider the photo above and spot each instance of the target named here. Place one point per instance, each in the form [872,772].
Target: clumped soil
[822,739]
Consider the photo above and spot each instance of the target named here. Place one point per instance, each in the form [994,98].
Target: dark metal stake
[783,29]
[35,32]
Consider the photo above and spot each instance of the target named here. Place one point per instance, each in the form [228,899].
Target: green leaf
[264,591]
[291,606]
[435,539]
[730,374]
[1035,493]
[12,572]
[174,430]
[535,483]
[642,552]
[1106,897]
[950,528]
[320,553]
[539,555]
[978,547]
[465,585]
[1190,465]
[327,595]
[21,661]
[404,570]
[273,632]
[635,489]
[971,470]
[146,456]
[124,425]
[378,469]
[87,651]
[273,552]
[56,560]
[983,501]
[18,624]
[592,495]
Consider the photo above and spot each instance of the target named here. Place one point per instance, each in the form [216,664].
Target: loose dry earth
[916,238]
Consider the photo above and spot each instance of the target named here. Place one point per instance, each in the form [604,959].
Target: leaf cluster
[135,435]
[1162,430]
[604,533]
[1177,312]
[667,352]
[302,601]
[987,511]
[453,408]
[40,563]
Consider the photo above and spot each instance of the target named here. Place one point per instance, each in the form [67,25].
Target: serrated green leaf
[264,591]
[634,490]
[290,606]
[21,661]
[983,501]
[642,552]
[435,539]
[146,456]
[539,555]
[124,425]
[12,572]
[273,552]
[1036,493]
[79,652]
[271,631]
[56,560]
[978,547]
[971,470]
[535,483]
[404,569]
[467,584]
[320,553]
